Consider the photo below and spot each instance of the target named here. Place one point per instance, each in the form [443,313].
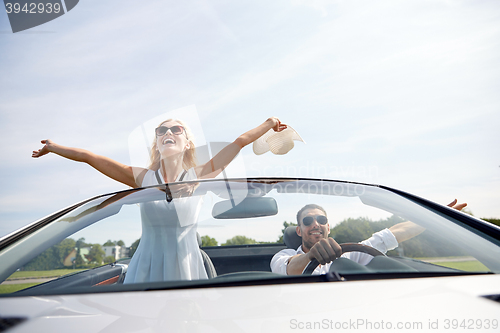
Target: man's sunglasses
[308,220]
[176,130]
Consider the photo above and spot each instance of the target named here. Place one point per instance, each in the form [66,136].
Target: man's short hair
[307,207]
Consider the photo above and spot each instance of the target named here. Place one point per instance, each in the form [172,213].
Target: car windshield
[227,230]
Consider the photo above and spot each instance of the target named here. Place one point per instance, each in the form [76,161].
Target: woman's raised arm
[220,161]
[107,166]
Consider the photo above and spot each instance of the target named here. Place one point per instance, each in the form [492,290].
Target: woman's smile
[168,141]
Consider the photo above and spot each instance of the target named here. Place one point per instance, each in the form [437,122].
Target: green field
[468,266]
[41,274]
[10,288]
[26,275]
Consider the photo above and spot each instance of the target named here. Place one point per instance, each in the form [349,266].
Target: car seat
[207,262]
[291,239]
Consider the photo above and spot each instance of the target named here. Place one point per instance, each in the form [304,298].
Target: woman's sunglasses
[176,130]
[308,220]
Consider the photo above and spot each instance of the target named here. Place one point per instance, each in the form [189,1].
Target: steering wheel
[346,247]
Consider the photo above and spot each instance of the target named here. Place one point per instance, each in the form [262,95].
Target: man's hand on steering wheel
[345,247]
[325,251]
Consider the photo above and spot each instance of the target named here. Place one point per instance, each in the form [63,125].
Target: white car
[444,279]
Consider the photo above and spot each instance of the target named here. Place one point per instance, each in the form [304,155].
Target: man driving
[314,229]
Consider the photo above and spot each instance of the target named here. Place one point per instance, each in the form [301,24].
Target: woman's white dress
[168,249]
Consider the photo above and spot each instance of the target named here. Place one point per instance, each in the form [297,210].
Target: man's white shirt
[383,241]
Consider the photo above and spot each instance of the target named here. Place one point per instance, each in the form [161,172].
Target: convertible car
[195,257]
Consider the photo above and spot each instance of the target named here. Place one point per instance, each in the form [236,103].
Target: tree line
[55,256]
[347,231]
[354,230]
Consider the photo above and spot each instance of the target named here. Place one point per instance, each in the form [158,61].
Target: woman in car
[169,248]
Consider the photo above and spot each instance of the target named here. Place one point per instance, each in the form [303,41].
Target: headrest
[291,239]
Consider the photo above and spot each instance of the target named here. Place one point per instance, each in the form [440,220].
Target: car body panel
[263,308]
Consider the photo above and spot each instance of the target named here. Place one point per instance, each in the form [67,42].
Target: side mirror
[247,208]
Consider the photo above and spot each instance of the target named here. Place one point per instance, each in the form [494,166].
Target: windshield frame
[483,229]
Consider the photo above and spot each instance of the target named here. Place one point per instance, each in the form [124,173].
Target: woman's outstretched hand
[45,149]
[278,126]
[105,165]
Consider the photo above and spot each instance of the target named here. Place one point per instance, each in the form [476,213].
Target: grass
[22,275]
[10,288]
[468,266]
[41,274]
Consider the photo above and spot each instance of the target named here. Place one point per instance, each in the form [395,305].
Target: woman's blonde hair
[189,159]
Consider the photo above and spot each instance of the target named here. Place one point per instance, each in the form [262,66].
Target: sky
[398,93]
